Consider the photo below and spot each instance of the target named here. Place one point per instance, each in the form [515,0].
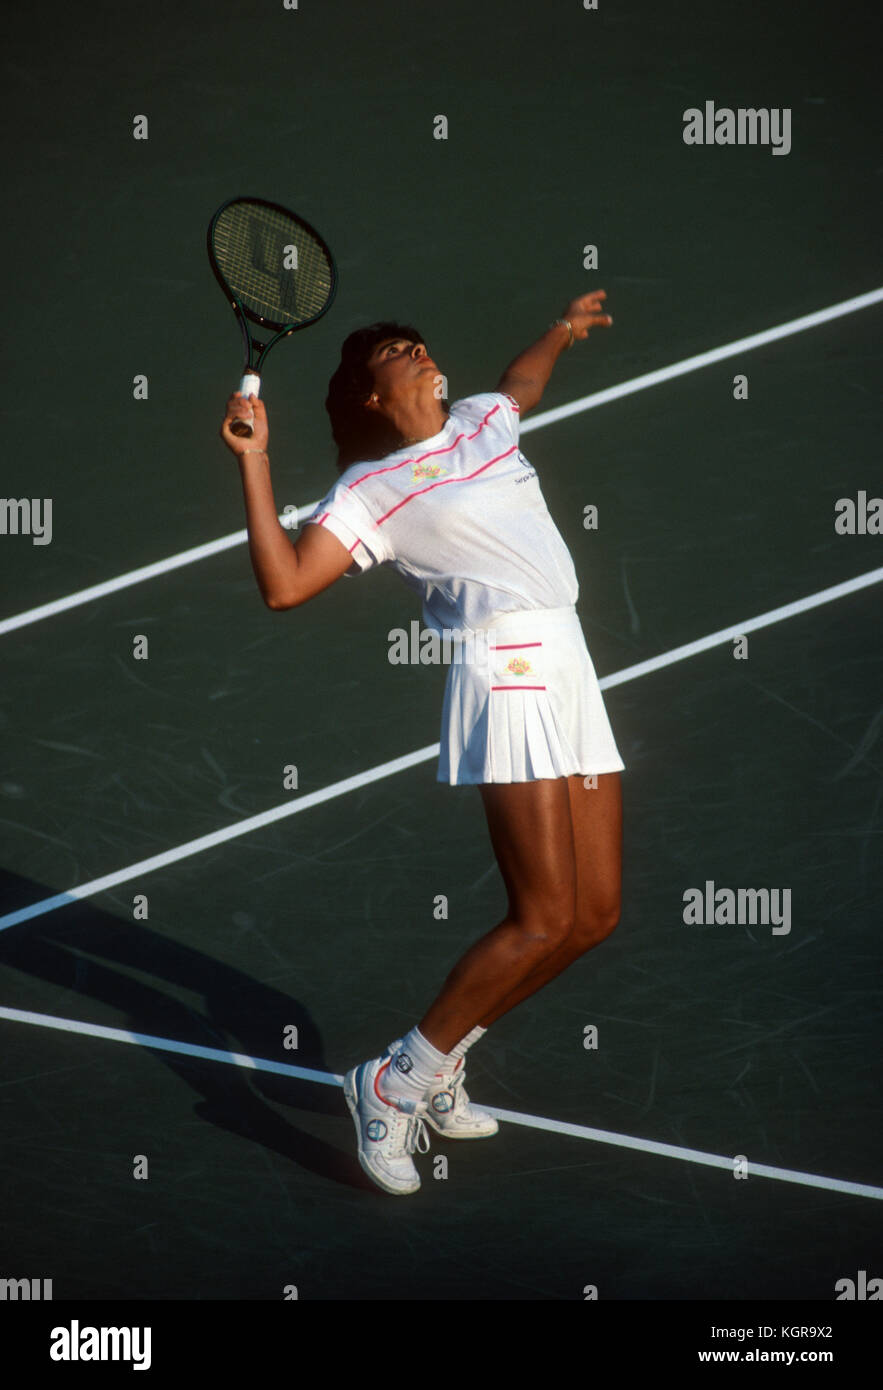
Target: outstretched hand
[585,313]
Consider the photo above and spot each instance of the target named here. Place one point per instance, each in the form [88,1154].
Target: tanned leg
[596,818]
[531,830]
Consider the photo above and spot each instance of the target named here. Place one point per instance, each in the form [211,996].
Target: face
[397,366]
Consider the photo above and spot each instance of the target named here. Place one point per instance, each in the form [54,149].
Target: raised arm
[287,574]
[525,378]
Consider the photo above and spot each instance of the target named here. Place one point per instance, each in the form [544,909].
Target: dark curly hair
[362,434]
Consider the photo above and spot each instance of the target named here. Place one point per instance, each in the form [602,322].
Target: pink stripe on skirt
[533,708]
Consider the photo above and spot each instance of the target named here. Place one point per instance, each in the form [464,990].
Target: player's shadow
[119,963]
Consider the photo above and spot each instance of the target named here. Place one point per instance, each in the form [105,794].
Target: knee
[595,922]
[549,927]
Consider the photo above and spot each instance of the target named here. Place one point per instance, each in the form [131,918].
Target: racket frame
[255,351]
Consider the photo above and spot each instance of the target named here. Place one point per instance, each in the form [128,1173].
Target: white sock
[464,1045]
[413,1068]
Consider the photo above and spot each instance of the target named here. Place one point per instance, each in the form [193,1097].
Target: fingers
[587,302]
[590,303]
[595,321]
[586,309]
[248,408]
[251,409]
[239,405]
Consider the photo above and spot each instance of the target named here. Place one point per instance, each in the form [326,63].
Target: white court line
[726,634]
[217,837]
[626,388]
[290,520]
[705,359]
[422,755]
[598,1136]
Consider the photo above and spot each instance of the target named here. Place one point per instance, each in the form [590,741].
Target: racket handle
[250,385]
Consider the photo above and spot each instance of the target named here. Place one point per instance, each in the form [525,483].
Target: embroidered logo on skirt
[519,666]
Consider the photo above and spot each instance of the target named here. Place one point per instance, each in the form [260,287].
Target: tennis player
[447,498]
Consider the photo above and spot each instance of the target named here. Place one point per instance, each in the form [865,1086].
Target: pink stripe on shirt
[444,482]
[320,521]
[430,453]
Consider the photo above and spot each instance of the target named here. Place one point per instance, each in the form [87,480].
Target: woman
[447,498]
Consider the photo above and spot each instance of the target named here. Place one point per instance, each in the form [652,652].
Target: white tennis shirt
[460,516]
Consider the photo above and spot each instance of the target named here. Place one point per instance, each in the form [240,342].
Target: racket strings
[252,246]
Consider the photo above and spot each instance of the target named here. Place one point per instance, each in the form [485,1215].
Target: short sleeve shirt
[460,516]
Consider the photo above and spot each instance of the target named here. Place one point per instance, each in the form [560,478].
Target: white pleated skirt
[526,705]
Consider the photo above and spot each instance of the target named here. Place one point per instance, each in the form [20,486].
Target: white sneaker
[388,1133]
[448,1108]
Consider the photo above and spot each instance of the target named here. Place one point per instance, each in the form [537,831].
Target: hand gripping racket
[276,272]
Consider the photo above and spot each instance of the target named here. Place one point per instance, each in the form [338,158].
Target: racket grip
[250,385]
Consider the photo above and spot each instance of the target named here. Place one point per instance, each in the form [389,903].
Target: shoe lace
[416,1136]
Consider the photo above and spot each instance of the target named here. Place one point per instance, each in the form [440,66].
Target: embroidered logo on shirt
[519,666]
[427,470]
[531,471]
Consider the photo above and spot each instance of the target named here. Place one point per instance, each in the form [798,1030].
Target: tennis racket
[276,271]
